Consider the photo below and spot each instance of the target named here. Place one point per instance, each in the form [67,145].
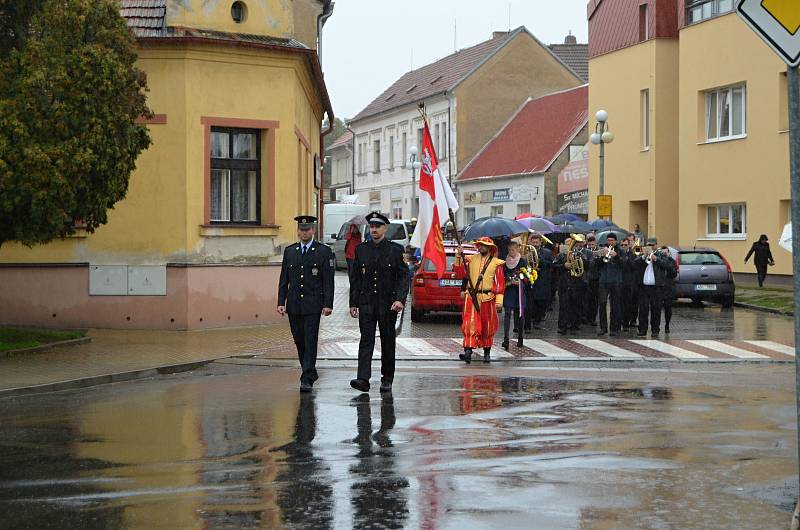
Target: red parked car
[429,293]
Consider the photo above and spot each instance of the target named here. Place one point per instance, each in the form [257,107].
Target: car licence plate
[705,287]
[449,283]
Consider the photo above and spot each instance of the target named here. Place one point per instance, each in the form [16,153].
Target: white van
[399,231]
[335,215]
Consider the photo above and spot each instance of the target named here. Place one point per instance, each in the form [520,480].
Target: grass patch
[755,287]
[768,298]
[18,338]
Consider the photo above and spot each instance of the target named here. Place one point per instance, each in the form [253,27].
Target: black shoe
[466,356]
[487,354]
[504,345]
[360,385]
[666,329]
[519,343]
[386,387]
[625,327]
[641,334]
[516,330]
[654,334]
[562,331]
[614,334]
[306,386]
[601,332]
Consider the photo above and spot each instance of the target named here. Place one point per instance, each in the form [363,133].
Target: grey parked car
[703,274]
[398,231]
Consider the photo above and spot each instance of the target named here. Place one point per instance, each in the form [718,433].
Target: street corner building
[535,164]
[468,95]
[698,106]
[238,98]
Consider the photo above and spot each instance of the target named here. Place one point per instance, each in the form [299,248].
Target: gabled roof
[343,139]
[534,137]
[574,55]
[443,75]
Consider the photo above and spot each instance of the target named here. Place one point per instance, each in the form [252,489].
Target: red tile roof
[534,137]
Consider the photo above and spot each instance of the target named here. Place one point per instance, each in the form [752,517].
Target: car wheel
[727,302]
[417,315]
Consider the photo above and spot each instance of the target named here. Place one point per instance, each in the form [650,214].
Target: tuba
[574,257]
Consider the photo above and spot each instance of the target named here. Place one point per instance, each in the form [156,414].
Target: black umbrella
[602,237]
[494,227]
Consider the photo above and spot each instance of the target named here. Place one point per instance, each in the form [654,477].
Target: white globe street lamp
[602,136]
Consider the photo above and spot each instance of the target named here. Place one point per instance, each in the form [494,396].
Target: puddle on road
[246,451]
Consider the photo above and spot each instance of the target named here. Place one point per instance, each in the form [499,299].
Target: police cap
[304,222]
[377,218]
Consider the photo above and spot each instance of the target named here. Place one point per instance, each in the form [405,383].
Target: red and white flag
[435,199]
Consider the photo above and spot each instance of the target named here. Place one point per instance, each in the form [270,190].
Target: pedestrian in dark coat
[511,298]
[305,293]
[763,258]
[378,291]
[541,292]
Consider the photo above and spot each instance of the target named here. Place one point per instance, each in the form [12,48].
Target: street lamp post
[415,165]
[601,137]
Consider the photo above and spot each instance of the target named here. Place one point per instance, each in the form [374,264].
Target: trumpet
[637,247]
[607,256]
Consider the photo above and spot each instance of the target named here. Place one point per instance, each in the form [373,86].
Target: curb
[763,309]
[45,347]
[103,379]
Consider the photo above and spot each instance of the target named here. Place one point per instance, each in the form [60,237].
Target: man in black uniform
[378,290]
[305,292]
[610,286]
[592,278]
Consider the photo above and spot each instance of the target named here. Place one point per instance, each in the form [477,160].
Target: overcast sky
[367,43]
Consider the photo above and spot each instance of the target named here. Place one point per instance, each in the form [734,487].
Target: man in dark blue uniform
[305,292]
[378,291]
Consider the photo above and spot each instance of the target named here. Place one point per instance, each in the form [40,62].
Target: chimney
[499,34]
[570,39]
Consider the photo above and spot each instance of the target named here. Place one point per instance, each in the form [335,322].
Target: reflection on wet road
[241,449]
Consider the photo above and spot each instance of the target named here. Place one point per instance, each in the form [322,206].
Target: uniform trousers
[610,293]
[668,297]
[568,317]
[305,332]
[385,321]
[479,327]
[630,304]
[650,302]
[591,301]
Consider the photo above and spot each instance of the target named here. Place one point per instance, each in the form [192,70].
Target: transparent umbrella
[786,237]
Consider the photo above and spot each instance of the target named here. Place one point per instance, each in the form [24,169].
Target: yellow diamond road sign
[777,22]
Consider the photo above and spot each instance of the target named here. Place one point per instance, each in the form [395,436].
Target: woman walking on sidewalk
[763,257]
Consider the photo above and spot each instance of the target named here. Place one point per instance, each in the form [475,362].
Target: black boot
[487,354]
[519,342]
[505,344]
[466,356]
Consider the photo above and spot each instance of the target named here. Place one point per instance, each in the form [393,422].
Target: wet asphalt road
[236,446]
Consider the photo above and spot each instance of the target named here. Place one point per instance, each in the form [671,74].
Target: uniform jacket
[610,271]
[592,273]
[492,284]
[380,277]
[306,282]
[662,267]
[541,288]
[629,272]
[566,280]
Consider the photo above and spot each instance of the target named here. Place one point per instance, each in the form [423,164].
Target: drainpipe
[327,11]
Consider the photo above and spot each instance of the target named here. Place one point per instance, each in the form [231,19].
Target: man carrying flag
[436,200]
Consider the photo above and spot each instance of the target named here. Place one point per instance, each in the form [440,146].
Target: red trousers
[479,328]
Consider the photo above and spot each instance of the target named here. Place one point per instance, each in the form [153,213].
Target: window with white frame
[397,209]
[497,211]
[645,98]
[704,9]
[235,175]
[404,149]
[726,220]
[469,215]
[726,113]
[391,152]
[443,142]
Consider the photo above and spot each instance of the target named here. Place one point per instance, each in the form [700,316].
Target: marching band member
[592,279]
[655,267]
[610,286]
[540,293]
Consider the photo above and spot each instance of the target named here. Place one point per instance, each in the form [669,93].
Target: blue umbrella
[602,224]
[568,217]
[494,227]
[576,227]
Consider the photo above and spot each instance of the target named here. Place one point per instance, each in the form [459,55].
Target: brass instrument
[607,255]
[637,247]
[530,252]
[577,267]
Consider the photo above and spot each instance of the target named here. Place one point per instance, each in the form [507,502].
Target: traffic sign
[777,22]
[604,205]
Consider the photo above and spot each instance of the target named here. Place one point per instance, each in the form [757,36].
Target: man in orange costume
[483,281]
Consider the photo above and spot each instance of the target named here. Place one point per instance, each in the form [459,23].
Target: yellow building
[238,96]
[698,106]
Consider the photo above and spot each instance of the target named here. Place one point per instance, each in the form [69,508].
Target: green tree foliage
[69,95]
[339,128]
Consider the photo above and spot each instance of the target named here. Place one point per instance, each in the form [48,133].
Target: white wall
[482,194]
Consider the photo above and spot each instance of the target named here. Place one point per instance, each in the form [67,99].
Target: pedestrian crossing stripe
[559,350]
[669,349]
[774,346]
[728,349]
[607,348]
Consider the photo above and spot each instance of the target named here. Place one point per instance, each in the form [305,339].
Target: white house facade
[501,196]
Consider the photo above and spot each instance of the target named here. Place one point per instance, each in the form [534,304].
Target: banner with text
[573,182]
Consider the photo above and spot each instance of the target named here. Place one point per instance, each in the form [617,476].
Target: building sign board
[573,184]
[604,205]
[777,22]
